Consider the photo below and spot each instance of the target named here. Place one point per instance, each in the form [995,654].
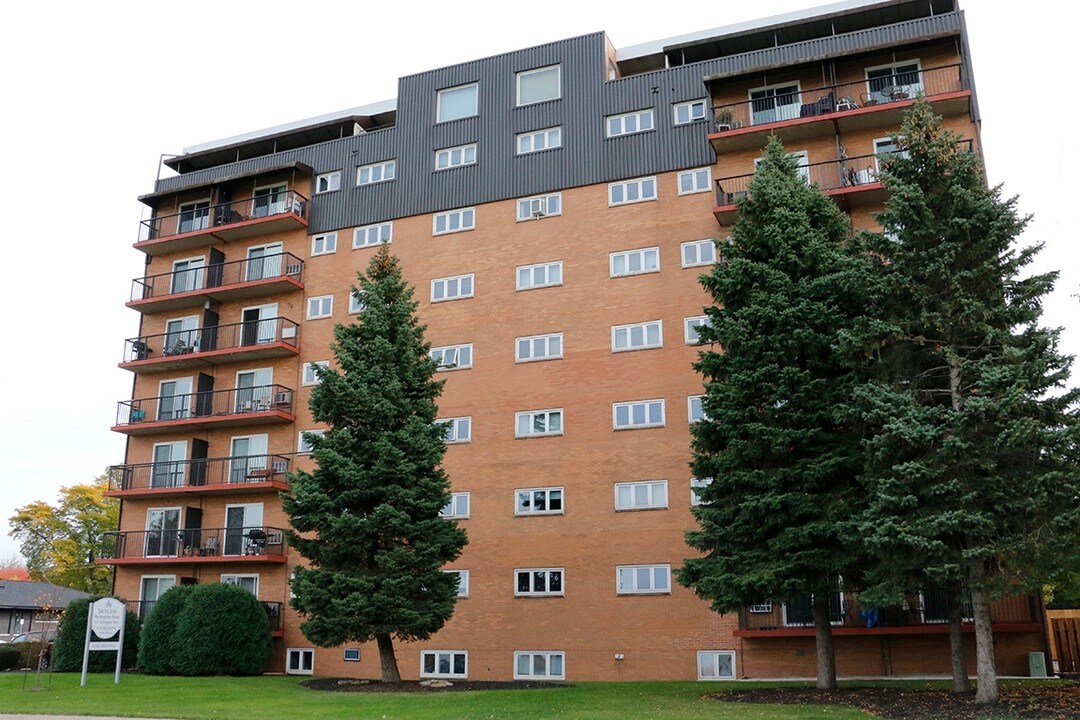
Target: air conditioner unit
[283,398]
[289,331]
[292,269]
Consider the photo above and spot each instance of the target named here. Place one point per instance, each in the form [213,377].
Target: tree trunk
[387,659]
[987,691]
[961,681]
[826,655]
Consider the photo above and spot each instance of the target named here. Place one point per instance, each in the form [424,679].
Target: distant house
[27,605]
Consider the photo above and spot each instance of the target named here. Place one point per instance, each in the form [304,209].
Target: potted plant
[722,117]
[845,103]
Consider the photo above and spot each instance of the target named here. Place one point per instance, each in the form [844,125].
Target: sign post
[105,619]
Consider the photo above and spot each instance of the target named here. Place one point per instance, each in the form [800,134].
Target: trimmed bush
[71,634]
[222,630]
[156,651]
[10,657]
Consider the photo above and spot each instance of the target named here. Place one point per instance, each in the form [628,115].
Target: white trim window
[632,191]
[645,495]
[716,665]
[538,582]
[533,665]
[896,81]
[775,103]
[538,501]
[324,244]
[637,414]
[690,328]
[303,445]
[458,102]
[539,206]
[540,275]
[538,347]
[247,582]
[351,655]
[444,664]
[300,661]
[537,140]
[457,430]
[761,607]
[538,85]
[643,579]
[456,156]
[696,253]
[452,357]
[376,172]
[688,112]
[452,288]
[457,508]
[462,582]
[885,146]
[696,486]
[694,181]
[320,307]
[637,336]
[328,182]
[453,221]
[695,409]
[630,123]
[309,376]
[356,301]
[371,235]
[634,262]
[538,423]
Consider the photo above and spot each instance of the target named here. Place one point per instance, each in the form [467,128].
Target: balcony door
[264,262]
[247,459]
[188,274]
[240,520]
[774,104]
[889,83]
[168,468]
[194,216]
[181,336]
[269,201]
[162,532]
[174,399]
[253,388]
[259,324]
[151,590]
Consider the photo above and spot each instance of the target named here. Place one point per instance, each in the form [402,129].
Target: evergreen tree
[971,468]
[367,518]
[779,441]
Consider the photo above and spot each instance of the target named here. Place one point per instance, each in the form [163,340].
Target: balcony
[212,345]
[142,608]
[837,109]
[193,285]
[202,224]
[203,476]
[258,544]
[260,405]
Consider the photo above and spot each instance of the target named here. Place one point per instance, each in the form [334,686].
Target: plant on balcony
[157,653]
[722,117]
[71,635]
[367,518]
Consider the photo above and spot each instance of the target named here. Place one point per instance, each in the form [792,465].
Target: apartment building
[553,207]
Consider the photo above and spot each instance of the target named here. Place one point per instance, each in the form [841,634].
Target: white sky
[93,93]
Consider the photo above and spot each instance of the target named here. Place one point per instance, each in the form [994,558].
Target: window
[304,445]
[370,235]
[537,423]
[320,307]
[352,655]
[455,156]
[453,357]
[328,182]
[696,485]
[698,252]
[539,666]
[688,112]
[632,191]
[694,181]
[530,277]
[454,221]
[639,336]
[271,200]
[716,665]
[775,103]
[458,430]
[649,495]
[888,83]
[377,172]
[538,85]
[538,347]
[444,663]
[538,501]
[534,208]
[300,661]
[643,579]
[452,288]
[324,244]
[458,507]
[762,607]
[640,414]
[456,102]
[463,582]
[635,262]
[248,582]
[356,302]
[310,377]
[690,328]
[885,146]
[537,140]
[193,216]
[538,582]
[695,410]
[635,122]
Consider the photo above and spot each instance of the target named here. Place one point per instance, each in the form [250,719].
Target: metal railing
[204,277]
[214,337]
[199,216]
[824,99]
[142,608]
[206,403]
[172,543]
[237,470]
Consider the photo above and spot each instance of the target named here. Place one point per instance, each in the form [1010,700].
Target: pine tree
[779,441]
[971,469]
[367,518]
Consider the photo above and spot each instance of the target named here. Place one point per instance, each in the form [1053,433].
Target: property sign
[105,621]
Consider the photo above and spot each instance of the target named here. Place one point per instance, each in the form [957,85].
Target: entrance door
[163,531]
[153,587]
[264,261]
[194,216]
[247,459]
[174,401]
[269,201]
[260,324]
[181,336]
[240,520]
[253,388]
[188,275]
[168,468]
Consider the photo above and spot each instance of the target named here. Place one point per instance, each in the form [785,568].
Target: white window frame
[547,501]
[356,302]
[695,176]
[877,153]
[626,256]
[456,156]
[653,489]
[465,218]
[631,425]
[532,655]
[641,185]
[761,607]
[531,343]
[457,88]
[615,125]
[551,140]
[445,281]
[435,673]
[697,245]
[628,330]
[538,207]
[302,446]
[695,485]
[690,113]
[463,582]
[691,401]
[912,90]
[328,241]
[530,271]
[716,663]
[387,171]
[459,506]
[688,326]
[547,582]
[530,416]
[309,652]
[460,429]
[524,74]
[332,181]
[367,236]
[308,377]
[633,589]
[796,105]
[443,350]
[325,307]
[234,578]
[347,652]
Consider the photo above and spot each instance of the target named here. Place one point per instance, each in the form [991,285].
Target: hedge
[71,635]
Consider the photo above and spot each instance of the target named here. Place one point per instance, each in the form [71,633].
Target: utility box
[1037,664]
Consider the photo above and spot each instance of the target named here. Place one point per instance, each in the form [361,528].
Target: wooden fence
[1065,637]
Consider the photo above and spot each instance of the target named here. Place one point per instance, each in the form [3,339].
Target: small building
[26,605]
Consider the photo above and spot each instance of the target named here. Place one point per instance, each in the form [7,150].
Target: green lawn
[274,698]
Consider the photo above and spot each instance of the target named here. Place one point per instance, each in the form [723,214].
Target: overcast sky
[94,93]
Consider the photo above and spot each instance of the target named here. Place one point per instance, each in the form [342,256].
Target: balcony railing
[203,217]
[184,406]
[190,280]
[142,608]
[171,347]
[825,99]
[202,544]
[206,473]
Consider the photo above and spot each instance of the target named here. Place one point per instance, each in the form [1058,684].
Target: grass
[282,697]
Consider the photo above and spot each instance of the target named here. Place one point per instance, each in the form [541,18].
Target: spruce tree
[780,442]
[367,518]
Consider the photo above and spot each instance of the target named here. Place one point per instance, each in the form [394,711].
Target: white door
[187,275]
[181,336]
[174,399]
[260,324]
[269,201]
[253,388]
[247,459]
[194,216]
[264,261]
[240,522]
[168,468]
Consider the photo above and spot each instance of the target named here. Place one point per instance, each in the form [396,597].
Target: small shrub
[71,634]
[222,630]
[156,651]
[10,657]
